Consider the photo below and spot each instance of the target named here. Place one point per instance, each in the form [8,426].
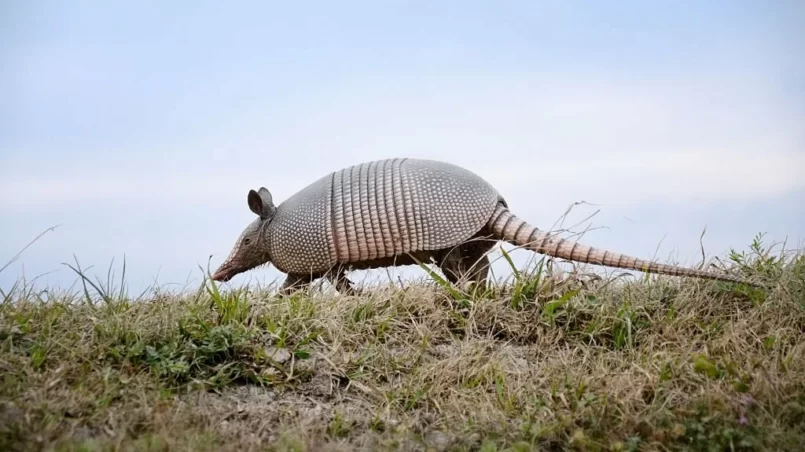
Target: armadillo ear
[261,203]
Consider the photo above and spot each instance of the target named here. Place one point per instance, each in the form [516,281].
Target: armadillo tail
[506,226]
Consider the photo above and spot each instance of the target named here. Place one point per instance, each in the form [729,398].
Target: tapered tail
[508,227]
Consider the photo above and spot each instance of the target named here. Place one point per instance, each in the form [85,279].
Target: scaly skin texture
[398,212]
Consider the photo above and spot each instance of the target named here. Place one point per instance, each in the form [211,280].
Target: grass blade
[17,256]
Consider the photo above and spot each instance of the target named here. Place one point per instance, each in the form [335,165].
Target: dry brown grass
[552,363]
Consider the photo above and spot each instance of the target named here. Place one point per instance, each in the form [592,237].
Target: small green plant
[705,430]
[232,306]
[507,401]
[526,288]
[338,426]
[551,309]
[704,366]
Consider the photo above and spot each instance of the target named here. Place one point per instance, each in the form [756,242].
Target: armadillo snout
[228,270]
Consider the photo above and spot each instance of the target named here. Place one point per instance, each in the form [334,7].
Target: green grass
[548,361]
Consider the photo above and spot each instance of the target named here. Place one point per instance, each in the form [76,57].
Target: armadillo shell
[376,210]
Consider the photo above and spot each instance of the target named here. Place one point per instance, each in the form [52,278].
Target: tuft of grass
[547,361]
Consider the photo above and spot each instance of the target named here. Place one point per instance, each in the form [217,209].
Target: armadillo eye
[247,241]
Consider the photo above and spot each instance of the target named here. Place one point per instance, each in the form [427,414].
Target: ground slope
[547,362]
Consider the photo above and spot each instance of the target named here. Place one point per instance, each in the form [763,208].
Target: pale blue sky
[140,128]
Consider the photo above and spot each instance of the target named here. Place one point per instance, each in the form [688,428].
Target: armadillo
[400,211]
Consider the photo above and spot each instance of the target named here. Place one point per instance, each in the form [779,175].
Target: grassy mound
[549,362]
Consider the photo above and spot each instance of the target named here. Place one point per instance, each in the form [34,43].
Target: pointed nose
[224,273]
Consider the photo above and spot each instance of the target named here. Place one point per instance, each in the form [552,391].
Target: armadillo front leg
[294,282]
[338,277]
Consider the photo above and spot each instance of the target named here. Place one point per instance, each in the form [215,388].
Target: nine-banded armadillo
[397,212]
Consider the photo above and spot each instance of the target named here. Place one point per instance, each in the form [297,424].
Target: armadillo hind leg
[466,268]
[467,262]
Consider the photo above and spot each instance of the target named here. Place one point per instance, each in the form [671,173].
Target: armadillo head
[251,249]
